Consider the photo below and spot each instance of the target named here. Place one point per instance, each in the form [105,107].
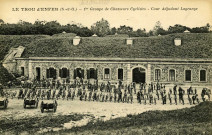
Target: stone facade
[149,66]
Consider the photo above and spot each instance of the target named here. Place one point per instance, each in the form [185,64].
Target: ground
[69,114]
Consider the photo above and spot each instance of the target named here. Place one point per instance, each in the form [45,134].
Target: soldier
[90,95]
[48,94]
[145,98]
[154,97]
[150,98]
[106,97]
[103,97]
[139,97]
[54,93]
[43,94]
[111,97]
[181,93]
[170,95]
[73,95]
[19,96]
[175,90]
[94,96]
[115,96]
[69,94]
[125,97]
[131,97]
[119,96]
[164,97]
[189,98]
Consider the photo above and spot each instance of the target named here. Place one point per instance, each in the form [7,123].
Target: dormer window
[76,40]
[177,41]
[129,41]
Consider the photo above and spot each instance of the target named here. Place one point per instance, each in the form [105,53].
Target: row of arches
[138,74]
[64,73]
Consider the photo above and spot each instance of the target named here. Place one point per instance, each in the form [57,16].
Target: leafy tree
[141,33]
[124,30]
[101,28]
[204,29]
[113,31]
[177,28]
[1,21]
[156,28]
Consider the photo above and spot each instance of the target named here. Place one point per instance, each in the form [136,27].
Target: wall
[180,72]
[127,70]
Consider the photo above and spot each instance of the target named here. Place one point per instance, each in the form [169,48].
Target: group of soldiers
[105,92]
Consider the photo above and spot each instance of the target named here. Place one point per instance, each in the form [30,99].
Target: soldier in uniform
[125,97]
[139,97]
[181,93]
[119,96]
[145,98]
[150,98]
[170,95]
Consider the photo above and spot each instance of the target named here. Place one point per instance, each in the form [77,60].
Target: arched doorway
[139,75]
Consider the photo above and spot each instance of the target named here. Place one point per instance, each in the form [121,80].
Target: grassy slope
[8,41]
[31,125]
[193,46]
[194,120]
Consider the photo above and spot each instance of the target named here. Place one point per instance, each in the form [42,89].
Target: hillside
[194,45]
[194,120]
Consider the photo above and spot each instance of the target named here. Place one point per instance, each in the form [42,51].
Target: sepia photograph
[105,67]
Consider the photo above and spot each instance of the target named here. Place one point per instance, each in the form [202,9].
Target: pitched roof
[194,45]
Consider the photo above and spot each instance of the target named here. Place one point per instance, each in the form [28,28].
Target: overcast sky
[136,19]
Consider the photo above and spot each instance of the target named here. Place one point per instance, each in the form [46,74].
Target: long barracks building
[184,58]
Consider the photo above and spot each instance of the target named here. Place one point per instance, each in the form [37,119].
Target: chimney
[76,40]
[129,41]
[177,41]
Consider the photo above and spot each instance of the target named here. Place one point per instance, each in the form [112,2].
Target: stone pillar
[129,74]
[43,72]
[30,70]
[57,73]
[148,74]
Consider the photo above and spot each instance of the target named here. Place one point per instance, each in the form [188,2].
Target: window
[120,74]
[202,75]
[78,73]
[51,73]
[107,73]
[157,74]
[187,75]
[172,75]
[64,73]
[22,71]
[92,73]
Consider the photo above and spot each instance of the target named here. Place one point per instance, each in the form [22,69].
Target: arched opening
[64,73]
[51,73]
[38,73]
[139,75]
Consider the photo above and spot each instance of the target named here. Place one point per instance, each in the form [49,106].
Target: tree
[113,31]
[101,28]
[141,33]
[177,28]
[203,29]
[156,28]
[124,30]
[1,21]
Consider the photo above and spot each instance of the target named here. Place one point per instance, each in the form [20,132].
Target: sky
[90,11]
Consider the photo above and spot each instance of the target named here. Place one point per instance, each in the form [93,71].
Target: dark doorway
[78,73]
[37,73]
[22,71]
[139,75]
[51,73]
